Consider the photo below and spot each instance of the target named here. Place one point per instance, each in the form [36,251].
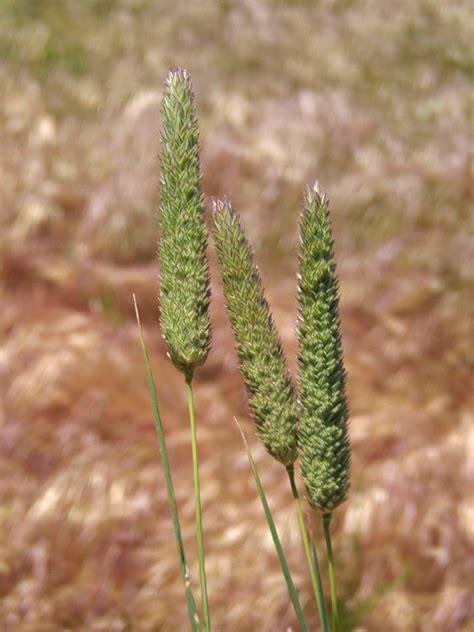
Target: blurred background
[374,99]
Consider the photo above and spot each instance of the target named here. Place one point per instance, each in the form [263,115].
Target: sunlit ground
[371,98]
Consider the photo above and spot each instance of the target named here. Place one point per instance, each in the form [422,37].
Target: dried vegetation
[370,97]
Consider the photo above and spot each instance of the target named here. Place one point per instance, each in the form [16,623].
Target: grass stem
[332,575]
[191,604]
[197,505]
[312,559]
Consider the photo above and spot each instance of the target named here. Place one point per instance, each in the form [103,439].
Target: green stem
[332,576]
[313,565]
[197,505]
[192,611]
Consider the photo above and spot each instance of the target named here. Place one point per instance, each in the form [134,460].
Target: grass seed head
[262,361]
[184,268]
[323,411]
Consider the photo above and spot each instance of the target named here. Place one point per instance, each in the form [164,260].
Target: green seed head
[323,411]
[184,268]
[262,361]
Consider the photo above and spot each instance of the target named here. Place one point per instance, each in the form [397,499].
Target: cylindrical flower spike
[262,361]
[184,268]
[323,411]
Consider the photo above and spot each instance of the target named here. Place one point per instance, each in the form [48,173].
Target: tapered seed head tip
[219,206]
[316,194]
[177,75]
[317,188]
[222,211]
[179,88]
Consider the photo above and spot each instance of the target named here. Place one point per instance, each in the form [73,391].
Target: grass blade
[191,604]
[276,539]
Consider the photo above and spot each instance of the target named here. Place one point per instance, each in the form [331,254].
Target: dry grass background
[371,97]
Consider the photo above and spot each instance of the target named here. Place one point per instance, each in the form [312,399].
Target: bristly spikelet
[262,361]
[184,268]
[323,411]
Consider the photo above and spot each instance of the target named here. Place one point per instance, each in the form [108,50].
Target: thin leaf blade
[276,539]
[190,601]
